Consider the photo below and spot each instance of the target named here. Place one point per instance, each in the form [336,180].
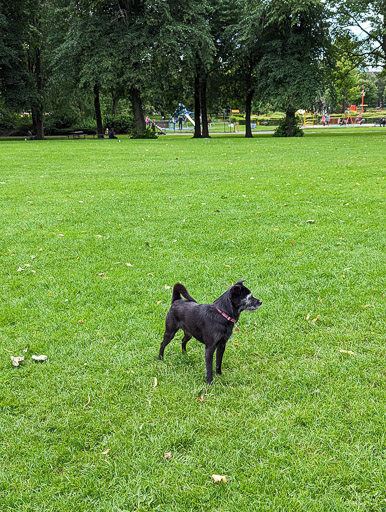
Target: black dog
[212,324]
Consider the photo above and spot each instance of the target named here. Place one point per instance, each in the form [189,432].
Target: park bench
[77,135]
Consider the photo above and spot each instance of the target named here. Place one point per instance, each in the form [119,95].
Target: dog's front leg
[219,353]
[209,350]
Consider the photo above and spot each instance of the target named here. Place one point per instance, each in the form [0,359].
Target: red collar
[226,316]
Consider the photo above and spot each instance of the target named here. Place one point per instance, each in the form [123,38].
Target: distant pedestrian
[180,121]
[147,121]
[328,119]
[111,133]
[323,120]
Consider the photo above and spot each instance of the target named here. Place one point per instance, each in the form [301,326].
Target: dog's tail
[178,290]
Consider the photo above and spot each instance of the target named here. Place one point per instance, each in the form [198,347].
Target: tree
[248,37]
[296,41]
[368,17]
[21,51]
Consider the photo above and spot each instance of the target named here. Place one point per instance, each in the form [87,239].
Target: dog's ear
[236,288]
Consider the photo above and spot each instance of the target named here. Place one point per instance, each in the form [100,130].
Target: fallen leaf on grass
[168,455]
[308,316]
[219,478]
[316,319]
[129,265]
[347,352]
[200,398]
[39,358]
[320,299]
[61,235]
[101,274]
[155,382]
[17,360]
[159,302]
[310,221]
[105,452]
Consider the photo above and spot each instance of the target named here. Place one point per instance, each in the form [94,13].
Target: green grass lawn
[94,234]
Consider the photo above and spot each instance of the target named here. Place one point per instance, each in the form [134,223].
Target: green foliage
[282,129]
[296,41]
[122,123]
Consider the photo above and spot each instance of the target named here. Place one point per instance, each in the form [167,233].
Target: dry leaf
[155,382]
[316,319]
[60,235]
[168,455]
[105,452]
[39,358]
[347,352]
[159,302]
[20,269]
[219,478]
[17,360]
[101,274]
[320,299]
[308,316]
[81,321]
[310,221]
[167,287]
[26,348]
[129,265]
[200,398]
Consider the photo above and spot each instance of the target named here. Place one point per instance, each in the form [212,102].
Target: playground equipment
[309,118]
[182,111]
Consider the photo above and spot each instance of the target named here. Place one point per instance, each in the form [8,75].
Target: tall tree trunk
[248,102]
[248,110]
[205,127]
[290,121]
[115,105]
[98,114]
[139,119]
[197,125]
[37,108]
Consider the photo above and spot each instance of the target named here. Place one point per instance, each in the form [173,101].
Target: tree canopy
[71,59]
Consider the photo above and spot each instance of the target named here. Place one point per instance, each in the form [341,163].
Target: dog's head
[242,298]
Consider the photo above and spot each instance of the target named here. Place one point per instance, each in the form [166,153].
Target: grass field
[94,234]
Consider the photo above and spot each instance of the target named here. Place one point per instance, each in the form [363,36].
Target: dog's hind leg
[168,336]
[185,340]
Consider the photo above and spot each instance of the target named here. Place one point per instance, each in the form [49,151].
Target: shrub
[122,123]
[281,130]
[147,133]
